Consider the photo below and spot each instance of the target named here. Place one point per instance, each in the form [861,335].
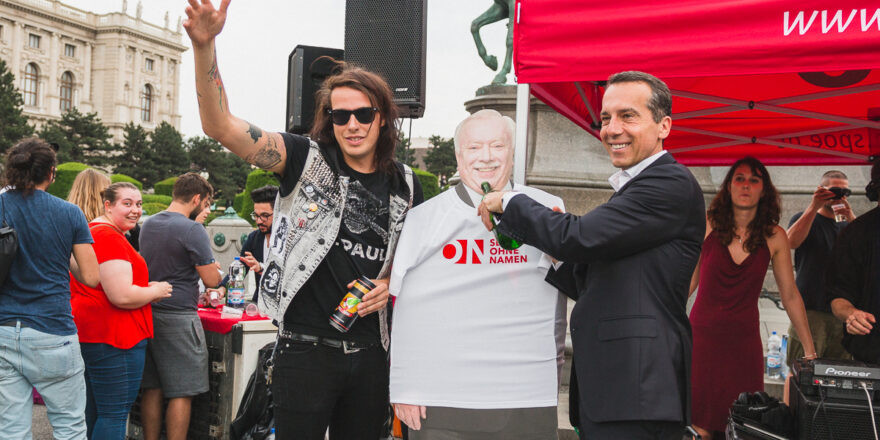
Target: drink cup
[839,212]
[252,309]
[215,299]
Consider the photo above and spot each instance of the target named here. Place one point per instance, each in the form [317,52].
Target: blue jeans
[53,365]
[113,377]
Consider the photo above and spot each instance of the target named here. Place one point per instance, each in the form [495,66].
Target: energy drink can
[346,312]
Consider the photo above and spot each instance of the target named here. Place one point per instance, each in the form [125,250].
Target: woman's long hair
[381,97]
[86,192]
[720,212]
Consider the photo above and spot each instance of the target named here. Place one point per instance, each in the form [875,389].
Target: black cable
[825,413]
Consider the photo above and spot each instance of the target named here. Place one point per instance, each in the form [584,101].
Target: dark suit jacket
[628,263]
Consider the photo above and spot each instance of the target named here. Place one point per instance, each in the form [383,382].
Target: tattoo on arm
[254,131]
[214,75]
[267,156]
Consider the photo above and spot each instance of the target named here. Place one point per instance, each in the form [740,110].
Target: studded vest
[306,225]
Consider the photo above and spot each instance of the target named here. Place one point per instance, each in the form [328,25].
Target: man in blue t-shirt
[177,250]
[39,346]
[812,234]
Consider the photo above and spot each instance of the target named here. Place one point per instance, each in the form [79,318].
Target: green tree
[440,159]
[403,152]
[168,155]
[227,173]
[13,125]
[80,138]
[136,157]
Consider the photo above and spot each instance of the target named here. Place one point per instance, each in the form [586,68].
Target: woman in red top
[114,319]
[742,238]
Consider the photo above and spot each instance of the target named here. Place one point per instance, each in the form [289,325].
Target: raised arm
[799,230]
[260,148]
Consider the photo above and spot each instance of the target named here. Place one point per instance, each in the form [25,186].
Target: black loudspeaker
[388,37]
[821,418]
[304,79]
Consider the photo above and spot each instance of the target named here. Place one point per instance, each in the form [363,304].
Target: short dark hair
[660,103]
[380,95]
[265,194]
[875,169]
[29,164]
[834,174]
[189,185]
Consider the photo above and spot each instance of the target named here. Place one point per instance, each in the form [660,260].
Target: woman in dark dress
[742,238]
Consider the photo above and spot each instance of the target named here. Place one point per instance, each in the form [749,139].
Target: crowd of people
[96,309]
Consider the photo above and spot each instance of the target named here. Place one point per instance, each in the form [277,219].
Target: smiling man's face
[629,132]
[485,153]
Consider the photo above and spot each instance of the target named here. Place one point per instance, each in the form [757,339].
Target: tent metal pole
[521,139]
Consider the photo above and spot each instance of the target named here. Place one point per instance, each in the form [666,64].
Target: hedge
[64,176]
[430,183]
[154,208]
[165,187]
[237,201]
[123,178]
[256,179]
[157,198]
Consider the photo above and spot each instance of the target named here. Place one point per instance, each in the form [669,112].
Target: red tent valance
[733,68]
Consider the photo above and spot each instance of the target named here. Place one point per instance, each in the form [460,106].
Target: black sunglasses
[364,115]
[839,192]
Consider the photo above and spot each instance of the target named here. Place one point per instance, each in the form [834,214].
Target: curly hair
[380,96]
[28,164]
[720,212]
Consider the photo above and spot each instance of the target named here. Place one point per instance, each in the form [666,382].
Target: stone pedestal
[228,233]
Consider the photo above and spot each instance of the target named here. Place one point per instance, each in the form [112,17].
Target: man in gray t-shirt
[174,246]
[177,250]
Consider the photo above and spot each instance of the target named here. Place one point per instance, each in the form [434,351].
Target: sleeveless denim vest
[304,229]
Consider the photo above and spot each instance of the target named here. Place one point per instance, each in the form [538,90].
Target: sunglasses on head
[364,115]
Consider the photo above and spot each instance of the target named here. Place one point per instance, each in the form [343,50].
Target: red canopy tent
[735,68]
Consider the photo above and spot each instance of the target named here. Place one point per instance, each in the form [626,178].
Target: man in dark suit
[254,246]
[628,264]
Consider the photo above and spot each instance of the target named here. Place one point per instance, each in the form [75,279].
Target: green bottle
[503,240]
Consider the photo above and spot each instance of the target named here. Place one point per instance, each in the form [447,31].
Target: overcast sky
[259,35]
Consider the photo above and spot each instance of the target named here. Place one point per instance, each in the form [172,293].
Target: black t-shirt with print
[359,249]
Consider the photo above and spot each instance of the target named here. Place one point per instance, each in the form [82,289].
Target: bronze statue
[499,10]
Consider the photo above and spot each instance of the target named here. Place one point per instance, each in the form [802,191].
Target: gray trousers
[487,424]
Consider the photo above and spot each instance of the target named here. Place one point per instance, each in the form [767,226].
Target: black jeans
[315,386]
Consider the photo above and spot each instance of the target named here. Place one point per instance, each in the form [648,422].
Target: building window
[31,81]
[146,103]
[69,50]
[149,65]
[66,91]
[1,31]
[34,41]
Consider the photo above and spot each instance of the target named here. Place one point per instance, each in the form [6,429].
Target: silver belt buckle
[347,350]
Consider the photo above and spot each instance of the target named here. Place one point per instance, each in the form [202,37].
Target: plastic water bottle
[271,435]
[774,356]
[235,286]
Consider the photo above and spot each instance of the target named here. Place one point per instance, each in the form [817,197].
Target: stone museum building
[120,66]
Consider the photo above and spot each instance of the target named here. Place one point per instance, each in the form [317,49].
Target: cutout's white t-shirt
[475,326]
